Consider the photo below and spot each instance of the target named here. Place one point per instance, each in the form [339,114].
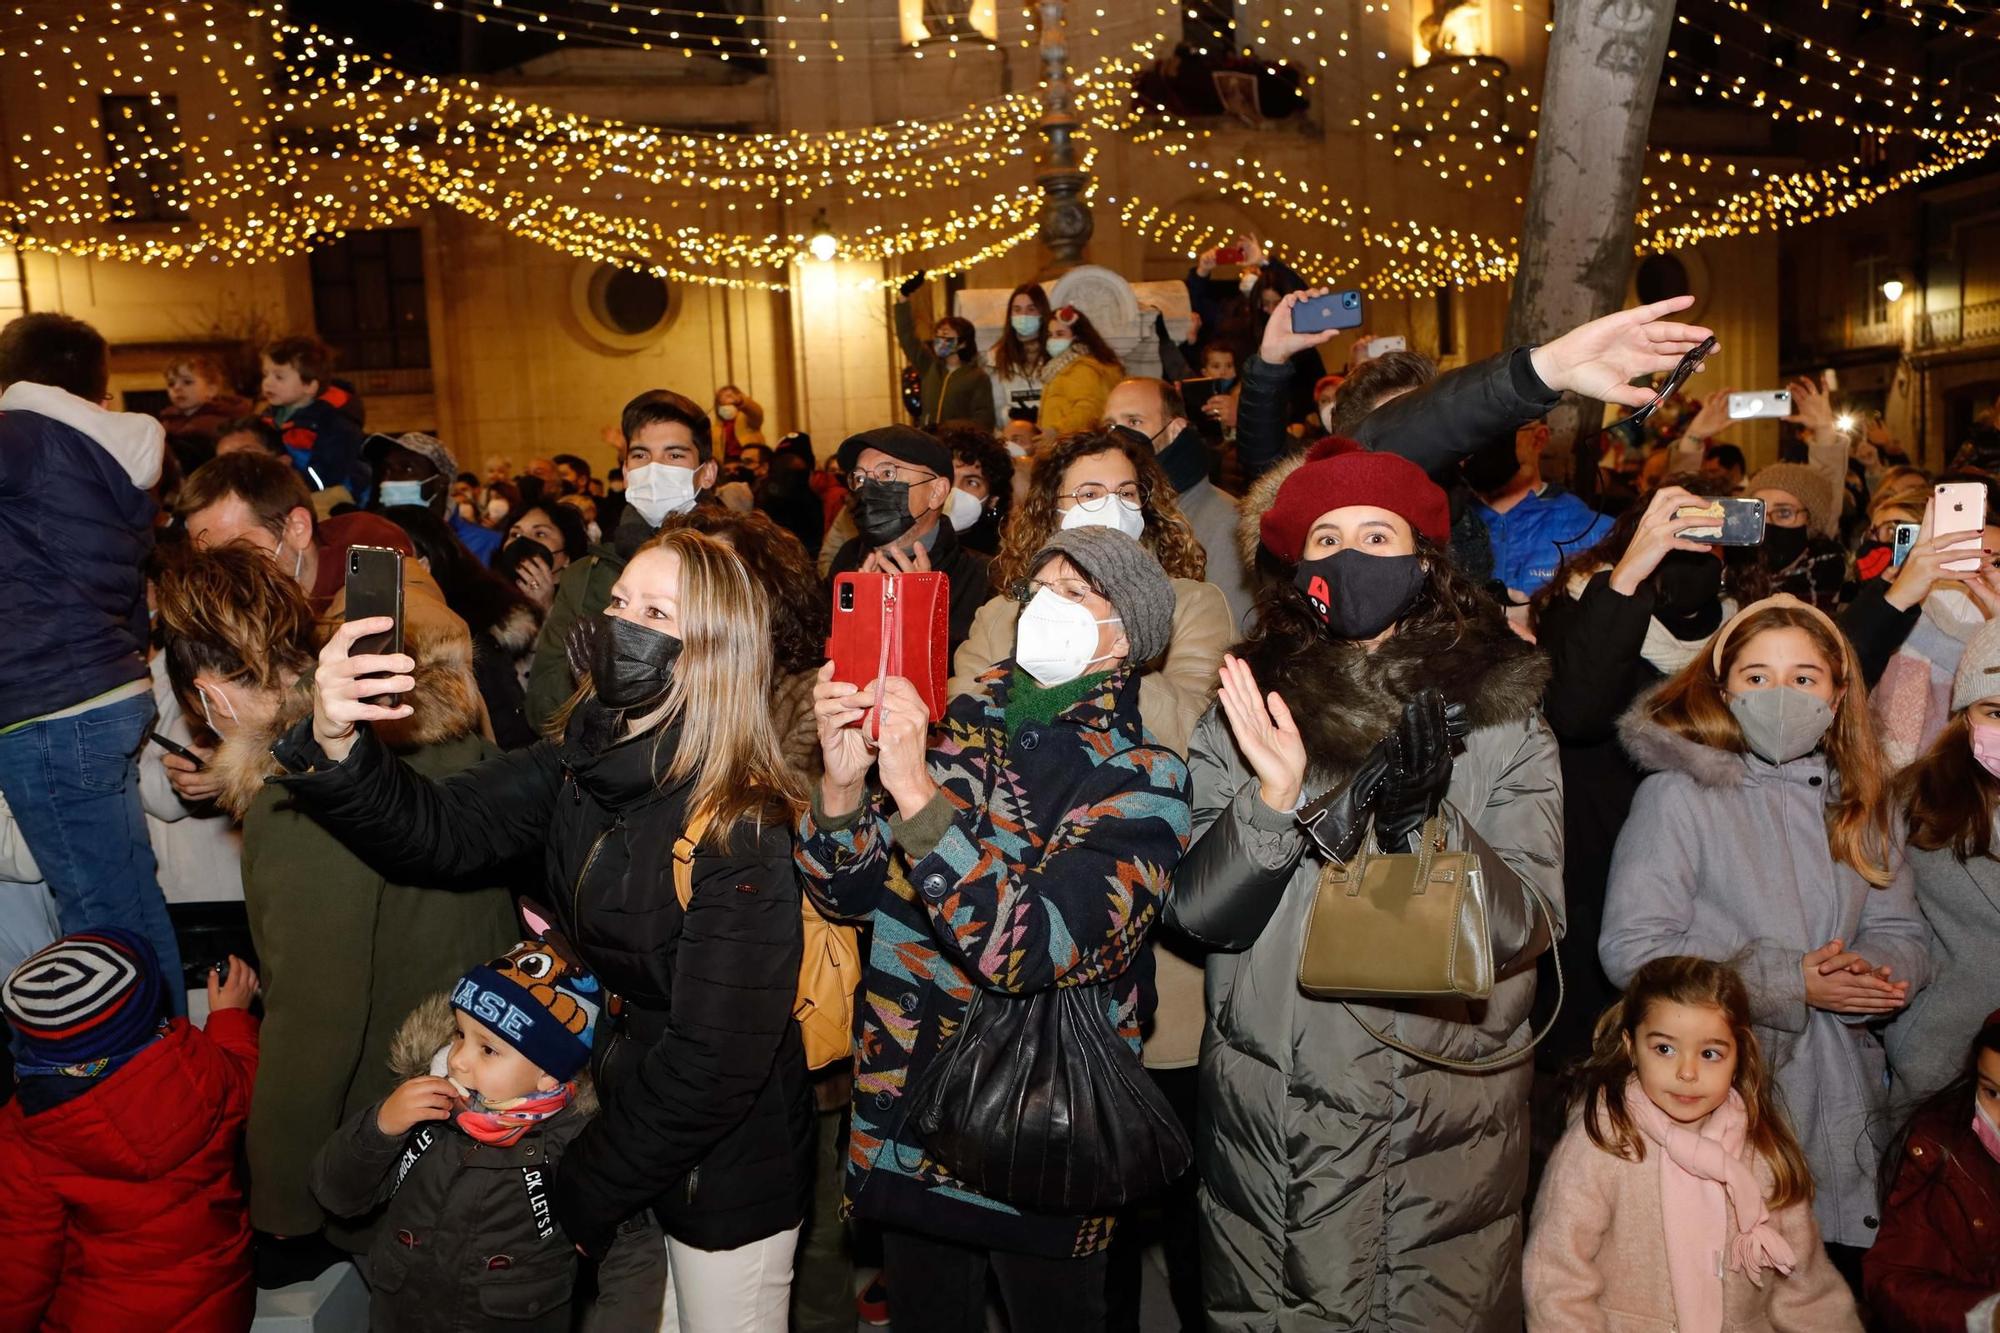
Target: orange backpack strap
[691,835]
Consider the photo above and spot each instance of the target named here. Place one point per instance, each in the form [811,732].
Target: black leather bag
[1039,1103]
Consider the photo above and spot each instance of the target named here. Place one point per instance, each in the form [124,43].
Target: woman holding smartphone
[706,1121]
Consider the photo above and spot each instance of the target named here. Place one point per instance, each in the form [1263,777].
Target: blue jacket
[1043,861]
[76,525]
[484,543]
[324,438]
[1539,533]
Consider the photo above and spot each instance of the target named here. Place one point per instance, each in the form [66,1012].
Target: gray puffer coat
[1725,857]
[1928,1042]
[1345,1184]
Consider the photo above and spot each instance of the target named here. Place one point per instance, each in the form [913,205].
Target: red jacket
[125,1205]
[1938,1251]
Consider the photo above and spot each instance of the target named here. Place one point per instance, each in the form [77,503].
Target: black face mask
[632,667]
[1491,468]
[1784,545]
[882,511]
[1357,595]
[1687,594]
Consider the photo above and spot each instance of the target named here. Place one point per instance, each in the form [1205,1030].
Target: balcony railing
[1978,323]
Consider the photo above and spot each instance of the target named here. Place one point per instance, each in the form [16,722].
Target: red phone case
[892,625]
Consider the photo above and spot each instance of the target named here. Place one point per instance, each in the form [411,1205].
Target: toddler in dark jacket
[464,1153]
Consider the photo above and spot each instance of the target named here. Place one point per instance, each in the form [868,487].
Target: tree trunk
[1577,237]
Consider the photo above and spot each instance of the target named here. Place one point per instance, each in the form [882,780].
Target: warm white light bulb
[1892,290]
[823,246]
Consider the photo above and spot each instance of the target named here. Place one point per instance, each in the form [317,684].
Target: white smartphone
[1960,506]
[1374,347]
[1768,403]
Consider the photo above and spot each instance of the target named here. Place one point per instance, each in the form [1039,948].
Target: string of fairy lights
[216,134]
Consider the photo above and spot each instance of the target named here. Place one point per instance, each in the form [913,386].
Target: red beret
[1340,472]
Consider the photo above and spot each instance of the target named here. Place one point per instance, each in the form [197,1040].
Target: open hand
[414,1102]
[1713,417]
[1812,407]
[1266,734]
[1599,359]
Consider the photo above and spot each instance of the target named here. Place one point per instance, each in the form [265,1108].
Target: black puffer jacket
[707,1117]
[1458,413]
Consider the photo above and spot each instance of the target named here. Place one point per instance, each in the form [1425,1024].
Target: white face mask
[595,533]
[402,493]
[1115,512]
[962,508]
[1056,639]
[1246,281]
[1015,449]
[727,411]
[659,489]
[496,509]
[1057,346]
[1326,417]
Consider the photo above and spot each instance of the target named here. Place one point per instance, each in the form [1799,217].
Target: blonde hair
[231,612]
[721,692]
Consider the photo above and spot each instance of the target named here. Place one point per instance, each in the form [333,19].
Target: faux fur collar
[1346,699]
[1257,501]
[446,705]
[516,633]
[427,1030]
[1658,750]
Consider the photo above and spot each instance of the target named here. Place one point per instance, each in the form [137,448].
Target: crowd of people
[554,879]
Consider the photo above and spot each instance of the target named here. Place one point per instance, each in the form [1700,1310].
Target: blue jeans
[73,785]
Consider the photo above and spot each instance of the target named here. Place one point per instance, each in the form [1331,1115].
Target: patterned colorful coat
[1043,861]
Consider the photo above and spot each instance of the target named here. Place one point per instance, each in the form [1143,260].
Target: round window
[622,308]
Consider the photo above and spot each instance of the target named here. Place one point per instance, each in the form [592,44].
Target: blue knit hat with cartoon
[539,1002]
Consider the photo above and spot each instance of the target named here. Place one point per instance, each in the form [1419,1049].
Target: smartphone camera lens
[1350,300]
[847,596]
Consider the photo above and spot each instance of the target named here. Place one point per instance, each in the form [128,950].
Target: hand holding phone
[1739,521]
[374,590]
[1229,254]
[174,747]
[1334,310]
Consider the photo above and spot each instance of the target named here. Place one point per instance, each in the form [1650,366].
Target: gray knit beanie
[1814,488]
[1137,588]
[1978,668]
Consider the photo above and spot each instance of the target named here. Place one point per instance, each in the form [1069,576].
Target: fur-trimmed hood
[427,1031]
[1658,750]
[1257,501]
[446,703]
[516,633]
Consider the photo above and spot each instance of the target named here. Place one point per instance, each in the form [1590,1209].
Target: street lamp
[1892,290]
[823,244]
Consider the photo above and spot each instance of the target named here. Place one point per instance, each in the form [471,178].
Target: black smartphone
[1687,366]
[175,747]
[1738,521]
[1335,310]
[1195,394]
[375,588]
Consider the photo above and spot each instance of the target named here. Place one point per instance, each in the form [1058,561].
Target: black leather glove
[1419,771]
[910,284]
[1336,821]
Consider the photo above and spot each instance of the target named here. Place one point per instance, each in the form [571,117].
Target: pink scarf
[1698,1171]
[503,1124]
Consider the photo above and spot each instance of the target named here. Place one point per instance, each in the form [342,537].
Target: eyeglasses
[885,473]
[1070,590]
[1674,381]
[1091,496]
[1786,515]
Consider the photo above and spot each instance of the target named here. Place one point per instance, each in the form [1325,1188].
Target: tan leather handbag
[1409,926]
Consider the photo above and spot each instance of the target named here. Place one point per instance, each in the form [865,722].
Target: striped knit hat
[89,996]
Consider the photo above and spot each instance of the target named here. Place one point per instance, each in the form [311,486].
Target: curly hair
[1167,533]
[974,445]
[1285,618]
[779,564]
[231,612]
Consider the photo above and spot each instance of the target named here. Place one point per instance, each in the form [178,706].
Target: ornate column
[1065,218]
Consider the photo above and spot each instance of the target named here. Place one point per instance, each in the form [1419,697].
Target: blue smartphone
[1335,310]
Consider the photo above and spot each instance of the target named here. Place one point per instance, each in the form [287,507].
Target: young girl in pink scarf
[1679,1196]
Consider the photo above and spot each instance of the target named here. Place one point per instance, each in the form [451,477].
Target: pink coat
[1595,1260]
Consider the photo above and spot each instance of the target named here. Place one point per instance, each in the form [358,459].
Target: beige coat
[1172,697]
[1595,1260]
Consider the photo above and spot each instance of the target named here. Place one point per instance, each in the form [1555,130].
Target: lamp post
[1065,218]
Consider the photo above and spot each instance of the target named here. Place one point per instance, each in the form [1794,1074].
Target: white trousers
[744,1290]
